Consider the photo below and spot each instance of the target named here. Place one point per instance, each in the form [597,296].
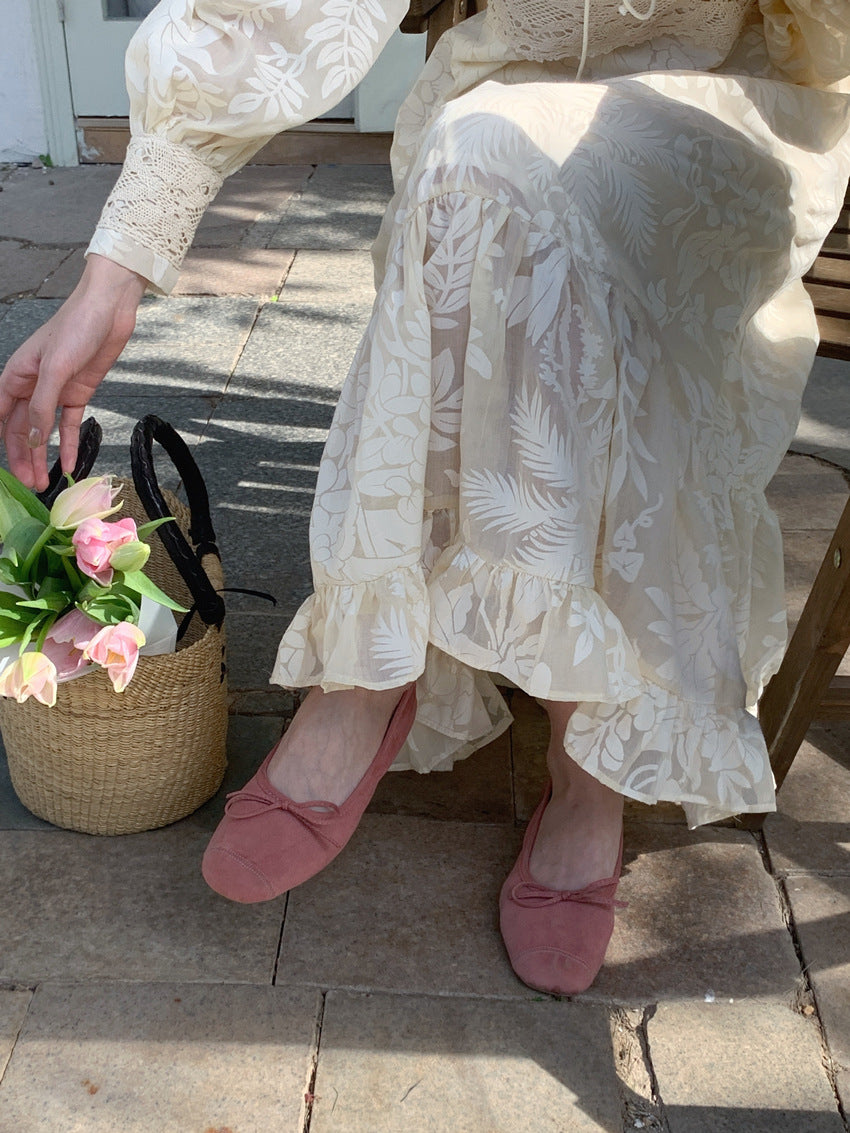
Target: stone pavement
[378,997]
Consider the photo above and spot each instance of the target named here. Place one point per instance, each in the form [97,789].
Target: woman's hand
[61,366]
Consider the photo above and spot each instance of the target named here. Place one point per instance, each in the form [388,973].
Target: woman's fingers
[69,435]
[61,366]
[17,446]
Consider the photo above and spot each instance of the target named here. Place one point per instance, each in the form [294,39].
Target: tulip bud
[130,556]
[91,498]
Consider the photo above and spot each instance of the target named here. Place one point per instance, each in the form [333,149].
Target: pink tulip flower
[116,648]
[33,674]
[92,498]
[66,642]
[95,543]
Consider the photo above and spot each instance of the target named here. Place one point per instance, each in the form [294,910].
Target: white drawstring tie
[626,9]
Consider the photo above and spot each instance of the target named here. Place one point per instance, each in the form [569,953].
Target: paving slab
[130,1058]
[821,910]
[808,494]
[132,907]
[23,318]
[234,271]
[55,206]
[24,268]
[477,789]
[183,347]
[811,830]
[261,479]
[341,208]
[117,415]
[256,194]
[745,1067]
[61,282]
[824,427]
[308,339]
[13,814]
[252,641]
[409,906]
[180,347]
[13,1010]
[392,1064]
[703,917]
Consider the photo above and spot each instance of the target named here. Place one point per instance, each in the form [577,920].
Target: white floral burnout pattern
[584,364]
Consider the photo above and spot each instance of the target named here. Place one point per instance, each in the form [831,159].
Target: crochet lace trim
[160,197]
[572,29]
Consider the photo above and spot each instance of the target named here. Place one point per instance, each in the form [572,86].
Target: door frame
[55,81]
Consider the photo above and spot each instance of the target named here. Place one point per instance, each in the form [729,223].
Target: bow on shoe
[261,804]
[533,896]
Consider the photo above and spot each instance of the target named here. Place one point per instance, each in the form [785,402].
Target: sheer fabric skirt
[548,462]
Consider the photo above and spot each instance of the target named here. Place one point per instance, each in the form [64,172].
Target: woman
[584,364]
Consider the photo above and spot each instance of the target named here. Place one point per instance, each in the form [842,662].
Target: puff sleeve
[210,82]
[809,39]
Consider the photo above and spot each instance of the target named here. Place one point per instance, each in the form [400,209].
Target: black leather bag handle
[187,559]
[91,435]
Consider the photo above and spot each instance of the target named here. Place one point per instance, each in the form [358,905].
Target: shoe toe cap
[553,970]
[235,877]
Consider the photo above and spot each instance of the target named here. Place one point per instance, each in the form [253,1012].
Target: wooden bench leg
[794,696]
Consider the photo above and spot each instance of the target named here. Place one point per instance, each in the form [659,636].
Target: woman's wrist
[102,274]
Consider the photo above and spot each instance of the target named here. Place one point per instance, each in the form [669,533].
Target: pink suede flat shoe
[266,844]
[556,939]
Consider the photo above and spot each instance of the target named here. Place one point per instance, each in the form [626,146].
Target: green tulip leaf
[109,609]
[23,537]
[141,584]
[149,528]
[55,602]
[35,627]
[24,496]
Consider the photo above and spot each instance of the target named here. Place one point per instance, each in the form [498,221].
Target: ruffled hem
[554,640]
[357,635]
[710,760]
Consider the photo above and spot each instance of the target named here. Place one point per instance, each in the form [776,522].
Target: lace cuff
[149,220]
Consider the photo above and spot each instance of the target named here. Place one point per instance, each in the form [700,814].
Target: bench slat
[835,336]
[837,241]
[833,270]
[830,300]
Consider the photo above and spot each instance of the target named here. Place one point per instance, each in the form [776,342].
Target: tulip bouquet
[72,587]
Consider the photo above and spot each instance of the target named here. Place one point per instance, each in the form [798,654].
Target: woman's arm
[210,81]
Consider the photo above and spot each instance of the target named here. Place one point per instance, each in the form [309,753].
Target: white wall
[22,134]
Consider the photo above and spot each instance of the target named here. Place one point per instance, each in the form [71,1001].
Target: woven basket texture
[103,762]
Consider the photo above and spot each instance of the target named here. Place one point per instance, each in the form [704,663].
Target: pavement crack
[279,952]
[309,1095]
[642,1107]
[410,1090]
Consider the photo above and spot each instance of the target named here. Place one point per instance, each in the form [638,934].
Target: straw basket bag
[116,763]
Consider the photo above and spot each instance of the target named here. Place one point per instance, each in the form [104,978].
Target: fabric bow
[258,803]
[534,896]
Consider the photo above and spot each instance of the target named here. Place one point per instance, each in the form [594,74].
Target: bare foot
[579,836]
[330,743]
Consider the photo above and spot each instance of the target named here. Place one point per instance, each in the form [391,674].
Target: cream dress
[584,364]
